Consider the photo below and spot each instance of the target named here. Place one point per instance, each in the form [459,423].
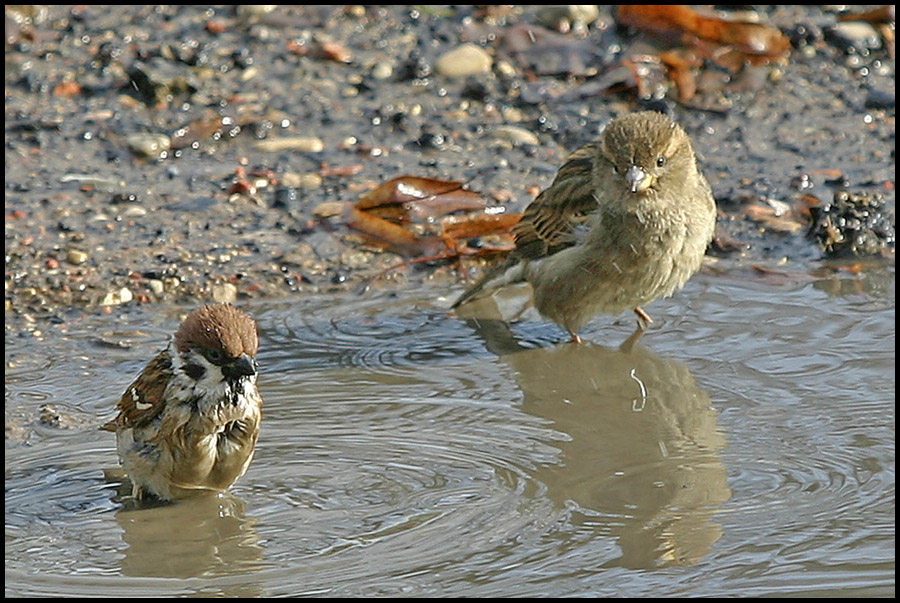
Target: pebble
[328,209]
[464,60]
[512,114]
[854,37]
[506,69]
[382,71]
[76,256]
[553,15]
[298,180]
[853,225]
[515,135]
[224,293]
[306,144]
[117,297]
[254,11]
[134,211]
[148,145]
[100,183]
[310,180]
[156,286]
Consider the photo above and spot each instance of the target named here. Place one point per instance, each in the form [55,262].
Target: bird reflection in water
[641,462]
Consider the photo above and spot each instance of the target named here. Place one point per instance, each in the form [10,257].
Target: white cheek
[212,382]
[212,390]
[212,376]
[211,385]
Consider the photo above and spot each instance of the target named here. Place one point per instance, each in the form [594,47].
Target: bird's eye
[214,355]
[660,161]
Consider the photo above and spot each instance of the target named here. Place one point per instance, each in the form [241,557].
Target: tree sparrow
[189,422]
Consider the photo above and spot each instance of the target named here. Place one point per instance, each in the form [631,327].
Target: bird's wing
[143,400]
[556,219]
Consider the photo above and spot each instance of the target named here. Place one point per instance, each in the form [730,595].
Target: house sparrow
[626,220]
[189,422]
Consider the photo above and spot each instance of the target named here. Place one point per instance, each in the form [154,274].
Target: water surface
[743,446]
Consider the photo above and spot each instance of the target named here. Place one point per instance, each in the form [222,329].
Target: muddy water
[744,446]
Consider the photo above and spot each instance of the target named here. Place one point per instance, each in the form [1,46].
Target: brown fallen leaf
[424,219]
[416,199]
[495,228]
[390,235]
[881,15]
[479,225]
[680,64]
[718,39]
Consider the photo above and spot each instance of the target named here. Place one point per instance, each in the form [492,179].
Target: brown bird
[190,421]
[626,220]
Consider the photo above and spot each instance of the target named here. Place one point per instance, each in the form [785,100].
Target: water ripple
[746,445]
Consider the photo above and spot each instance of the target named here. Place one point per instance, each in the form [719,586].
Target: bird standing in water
[626,220]
[189,422]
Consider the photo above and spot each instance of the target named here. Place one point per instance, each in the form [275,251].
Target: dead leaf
[681,64]
[389,235]
[426,219]
[479,225]
[416,199]
[880,15]
[716,38]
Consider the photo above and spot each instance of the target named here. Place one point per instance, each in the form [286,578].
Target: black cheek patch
[194,371]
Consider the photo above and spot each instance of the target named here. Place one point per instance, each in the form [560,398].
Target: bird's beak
[638,179]
[243,366]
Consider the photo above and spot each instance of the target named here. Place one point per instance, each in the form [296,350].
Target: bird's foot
[644,319]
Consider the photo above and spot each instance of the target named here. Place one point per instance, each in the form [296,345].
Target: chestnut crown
[219,327]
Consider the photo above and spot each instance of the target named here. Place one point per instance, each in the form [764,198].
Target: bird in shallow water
[189,422]
[626,220]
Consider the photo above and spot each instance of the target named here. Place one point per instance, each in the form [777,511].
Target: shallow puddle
[743,446]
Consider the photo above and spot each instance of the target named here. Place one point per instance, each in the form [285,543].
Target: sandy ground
[175,154]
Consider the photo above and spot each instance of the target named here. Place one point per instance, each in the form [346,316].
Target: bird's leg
[575,337]
[644,319]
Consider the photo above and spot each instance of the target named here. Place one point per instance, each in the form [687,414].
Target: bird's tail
[511,271]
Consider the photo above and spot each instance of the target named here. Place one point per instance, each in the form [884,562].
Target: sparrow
[190,420]
[626,220]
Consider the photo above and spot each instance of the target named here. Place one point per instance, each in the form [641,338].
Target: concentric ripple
[735,449]
[809,385]
[373,433]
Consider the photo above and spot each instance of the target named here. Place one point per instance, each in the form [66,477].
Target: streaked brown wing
[550,222]
[143,400]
